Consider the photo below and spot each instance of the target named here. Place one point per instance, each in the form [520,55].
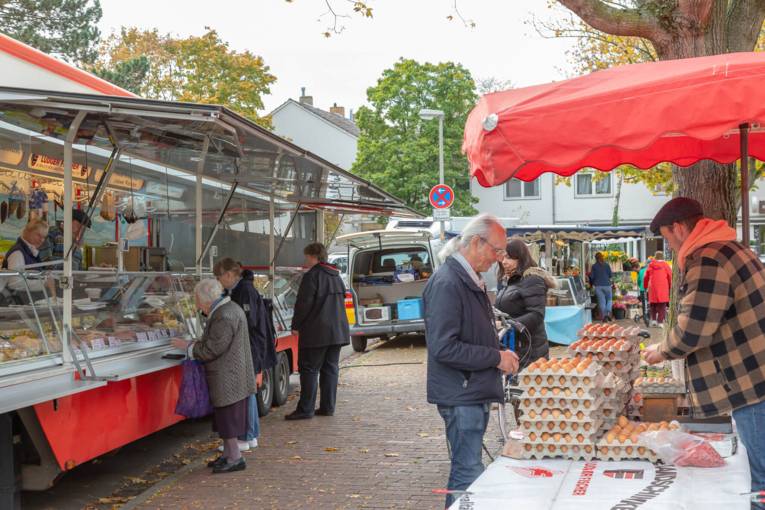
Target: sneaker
[244,446]
[253,443]
[654,324]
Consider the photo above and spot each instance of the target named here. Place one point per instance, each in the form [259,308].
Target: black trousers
[318,367]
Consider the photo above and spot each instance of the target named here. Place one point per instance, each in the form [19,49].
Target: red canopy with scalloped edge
[678,111]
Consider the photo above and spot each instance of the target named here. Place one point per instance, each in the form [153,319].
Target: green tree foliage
[200,69]
[64,28]
[398,150]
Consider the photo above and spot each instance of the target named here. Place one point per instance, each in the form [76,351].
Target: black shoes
[220,461]
[296,415]
[322,412]
[225,467]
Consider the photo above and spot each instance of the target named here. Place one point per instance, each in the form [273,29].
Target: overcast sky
[339,69]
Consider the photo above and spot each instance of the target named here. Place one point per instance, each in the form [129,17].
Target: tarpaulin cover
[680,111]
[563,322]
[596,485]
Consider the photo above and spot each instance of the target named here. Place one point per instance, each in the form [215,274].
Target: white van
[387,274]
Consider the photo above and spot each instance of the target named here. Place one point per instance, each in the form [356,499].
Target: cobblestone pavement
[383,448]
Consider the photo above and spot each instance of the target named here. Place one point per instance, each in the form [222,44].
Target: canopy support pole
[221,217]
[744,139]
[66,278]
[198,241]
[286,232]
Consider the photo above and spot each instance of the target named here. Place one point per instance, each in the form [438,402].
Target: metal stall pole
[744,139]
[198,207]
[66,279]
[271,220]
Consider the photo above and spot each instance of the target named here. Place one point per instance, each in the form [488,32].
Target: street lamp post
[427,114]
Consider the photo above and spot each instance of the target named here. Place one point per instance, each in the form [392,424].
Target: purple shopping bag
[194,396]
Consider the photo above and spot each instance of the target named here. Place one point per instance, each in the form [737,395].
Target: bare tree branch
[606,17]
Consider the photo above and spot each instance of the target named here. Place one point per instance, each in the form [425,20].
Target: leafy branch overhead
[67,29]
[398,150]
[201,69]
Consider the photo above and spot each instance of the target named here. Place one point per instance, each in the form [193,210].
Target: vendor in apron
[25,252]
[53,247]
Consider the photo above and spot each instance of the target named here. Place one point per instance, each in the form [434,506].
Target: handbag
[194,395]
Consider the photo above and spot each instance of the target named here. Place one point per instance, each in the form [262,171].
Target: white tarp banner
[596,485]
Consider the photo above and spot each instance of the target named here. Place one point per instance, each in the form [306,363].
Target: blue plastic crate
[409,309]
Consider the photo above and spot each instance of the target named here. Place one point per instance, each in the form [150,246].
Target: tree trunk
[617,198]
[713,185]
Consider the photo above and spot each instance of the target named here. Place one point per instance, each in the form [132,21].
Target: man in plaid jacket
[720,327]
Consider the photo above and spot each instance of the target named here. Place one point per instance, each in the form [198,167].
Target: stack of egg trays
[627,450]
[670,386]
[561,413]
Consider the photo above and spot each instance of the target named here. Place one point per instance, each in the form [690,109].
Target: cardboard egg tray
[658,385]
[597,330]
[561,438]
[557,415]
[586,406]
[624,451]
[555,392]
[587,428]
[562,380]
[573,452]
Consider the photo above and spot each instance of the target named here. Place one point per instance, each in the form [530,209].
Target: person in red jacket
[658,280]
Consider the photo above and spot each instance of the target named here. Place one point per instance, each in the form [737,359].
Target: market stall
[168,187]
[591,122]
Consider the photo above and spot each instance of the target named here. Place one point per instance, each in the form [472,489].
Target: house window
[588,186]
[515,189]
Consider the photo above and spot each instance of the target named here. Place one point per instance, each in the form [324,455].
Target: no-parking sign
[441,196]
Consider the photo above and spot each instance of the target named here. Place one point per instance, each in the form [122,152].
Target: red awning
[680,111]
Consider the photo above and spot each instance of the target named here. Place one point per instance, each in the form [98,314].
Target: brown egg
[567,413]
[619,365]
[588,448]
[580,415]
[616,429]
[607,391]
[527,402]
[580,438]
[545,413]
[610,437]
[576,448]
[550,426]
[603,450]
[575,380]
[600,356]
[579,392]
[556,413]
[587,404]
[574,403]
[587,426]
[543,391]
[532,414]
[581,368]
[550,402]
[538,402]
[611,355]
[562,402]
[617,450]
[556,391]
[623,421]
[562,380]
[567,392]
[623,438]
[557,436]
[540,448]
[641,450]
[586,381]
[539,425]
[538,379]
[527,380]
[550,380]
[564,449]
[532,436]
[551,448]
[574,426]
[628,450]
[545,436]
[634,437]
[568,438]
[568,369]
[528,447]
[563,425]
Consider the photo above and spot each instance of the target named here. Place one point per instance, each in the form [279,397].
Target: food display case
[568,310]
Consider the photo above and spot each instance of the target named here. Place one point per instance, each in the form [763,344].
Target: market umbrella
[678,111]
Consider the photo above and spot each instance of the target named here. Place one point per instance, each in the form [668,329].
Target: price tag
[141,337]
[114,341]
[98,344]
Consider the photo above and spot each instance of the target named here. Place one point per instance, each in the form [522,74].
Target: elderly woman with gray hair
[225,351]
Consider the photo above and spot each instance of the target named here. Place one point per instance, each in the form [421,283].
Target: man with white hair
[225,351]
[465,362]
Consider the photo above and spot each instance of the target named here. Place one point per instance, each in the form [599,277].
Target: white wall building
[329,134]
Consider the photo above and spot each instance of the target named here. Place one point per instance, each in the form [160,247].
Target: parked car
[340,261]
[387,274]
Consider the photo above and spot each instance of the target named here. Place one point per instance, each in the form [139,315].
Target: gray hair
[208,290]
[480,226]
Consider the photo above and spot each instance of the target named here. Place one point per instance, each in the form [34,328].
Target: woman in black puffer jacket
[523,295]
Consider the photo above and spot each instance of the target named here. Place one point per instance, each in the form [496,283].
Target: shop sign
[45,163]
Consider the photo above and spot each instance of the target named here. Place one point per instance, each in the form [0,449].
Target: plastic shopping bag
[194,396]
[679,448]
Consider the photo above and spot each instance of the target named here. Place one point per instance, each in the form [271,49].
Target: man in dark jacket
[322,328]
[239,287]
[465,362]
[720,330]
